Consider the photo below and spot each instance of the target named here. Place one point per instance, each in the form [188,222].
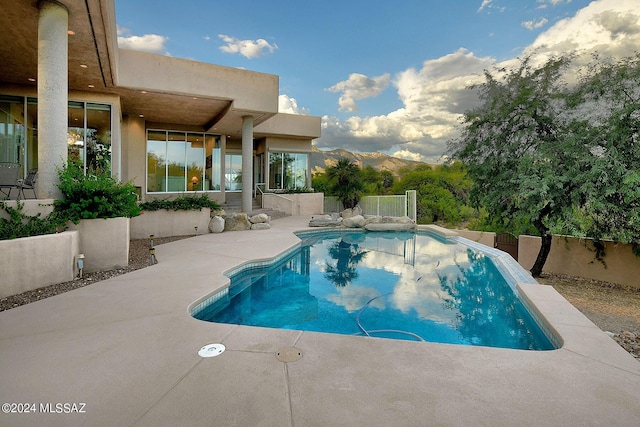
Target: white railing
[397,205]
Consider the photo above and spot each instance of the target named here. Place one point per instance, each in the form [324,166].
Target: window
[233,172]
[182,161]
[288,171]
[89,135]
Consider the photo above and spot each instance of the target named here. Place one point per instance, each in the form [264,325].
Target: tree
[345,182]
[610,91]
[523,154]
[442,193]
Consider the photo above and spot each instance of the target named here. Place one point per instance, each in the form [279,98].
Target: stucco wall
[295,204]
[164,223]
[576,257]
[32,207]
[104,243]
[486,238]
[33,262]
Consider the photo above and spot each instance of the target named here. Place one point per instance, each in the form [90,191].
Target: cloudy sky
[386,76]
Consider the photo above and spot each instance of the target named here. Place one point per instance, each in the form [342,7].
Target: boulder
[260,226]
[325,221]
[356,221]
[259,218]
[216,224]
[237,222]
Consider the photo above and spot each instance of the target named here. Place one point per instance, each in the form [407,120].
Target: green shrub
[95,195]
[20,224]
[182,203]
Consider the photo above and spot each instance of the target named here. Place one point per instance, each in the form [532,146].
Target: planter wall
[167,223]
[33,262]
[299,204]
[104,243]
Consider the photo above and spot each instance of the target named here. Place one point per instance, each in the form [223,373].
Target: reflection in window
[288,171]
[89,135]
[182,161]
[233,172]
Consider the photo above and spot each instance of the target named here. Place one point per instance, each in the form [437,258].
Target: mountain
[320,160]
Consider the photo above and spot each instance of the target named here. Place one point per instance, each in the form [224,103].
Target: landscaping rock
[237,222]
[325,221]
[260,226]
[259,218]
[356,221]
[216,224]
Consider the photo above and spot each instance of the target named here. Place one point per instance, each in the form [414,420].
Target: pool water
[399,285]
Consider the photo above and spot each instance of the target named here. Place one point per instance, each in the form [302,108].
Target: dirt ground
[613,308]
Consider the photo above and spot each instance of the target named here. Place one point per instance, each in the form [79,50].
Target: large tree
[609,95]
[522,152]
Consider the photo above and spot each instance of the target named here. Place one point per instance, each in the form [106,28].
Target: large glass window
[182,161]
[12,129]
[233,172]
[288,171]
[89,135]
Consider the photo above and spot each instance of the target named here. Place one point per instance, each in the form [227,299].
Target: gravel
[614,309]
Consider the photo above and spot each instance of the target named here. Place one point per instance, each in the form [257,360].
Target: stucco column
[247,163]
[53,86]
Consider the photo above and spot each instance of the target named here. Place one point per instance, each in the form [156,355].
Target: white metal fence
[397,205]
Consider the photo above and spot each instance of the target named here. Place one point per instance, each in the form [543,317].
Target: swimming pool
[400,285]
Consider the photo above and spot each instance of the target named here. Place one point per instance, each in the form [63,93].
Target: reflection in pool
[405,285]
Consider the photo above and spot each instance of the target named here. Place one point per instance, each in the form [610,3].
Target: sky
[387,76]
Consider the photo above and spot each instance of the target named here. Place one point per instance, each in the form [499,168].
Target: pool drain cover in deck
[211,350]
[289,354]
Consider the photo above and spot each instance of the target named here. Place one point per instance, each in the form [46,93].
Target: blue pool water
[399,285]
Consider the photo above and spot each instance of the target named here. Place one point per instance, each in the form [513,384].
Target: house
[171,126]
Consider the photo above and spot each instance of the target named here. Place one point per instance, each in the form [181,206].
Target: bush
[20,224]
[95,195]
[183,203]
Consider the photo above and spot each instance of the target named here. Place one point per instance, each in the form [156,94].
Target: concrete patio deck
[127,349]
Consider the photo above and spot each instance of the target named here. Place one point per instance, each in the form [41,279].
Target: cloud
[609,27]
[533,25]
[359,86]
[247,48]
[435,96]
[289,105]
[484,4]
[152,43]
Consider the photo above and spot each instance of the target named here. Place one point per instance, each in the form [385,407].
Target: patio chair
[29,183]
[9,174]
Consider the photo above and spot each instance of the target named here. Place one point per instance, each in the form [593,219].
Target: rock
[348,213]
[259,218]
[216,224]
[373,219]
[237,222]
[260,226]
[220,212]
[356,221]
[325,221]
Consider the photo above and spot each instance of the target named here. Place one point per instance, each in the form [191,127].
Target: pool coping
[127,347]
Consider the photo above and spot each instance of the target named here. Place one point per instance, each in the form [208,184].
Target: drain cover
[211,350]
[289,354]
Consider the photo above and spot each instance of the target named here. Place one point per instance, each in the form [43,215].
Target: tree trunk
[536,270]
[545,248]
